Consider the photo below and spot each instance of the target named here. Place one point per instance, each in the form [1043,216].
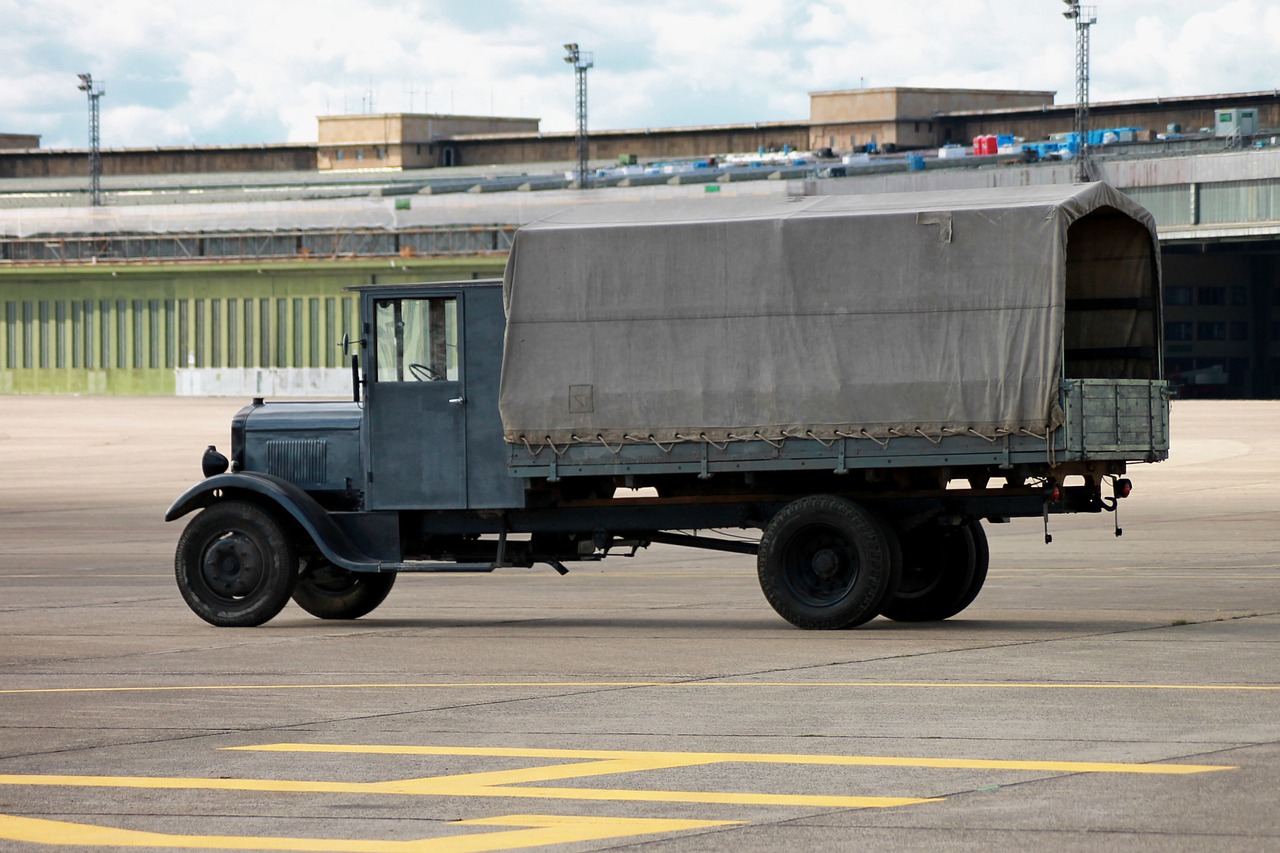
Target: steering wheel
[423,373]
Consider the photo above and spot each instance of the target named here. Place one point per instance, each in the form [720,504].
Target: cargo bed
[1110,420]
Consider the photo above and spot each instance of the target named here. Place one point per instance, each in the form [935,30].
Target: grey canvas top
[727,319]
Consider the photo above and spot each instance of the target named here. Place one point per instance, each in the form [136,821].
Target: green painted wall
[105,329]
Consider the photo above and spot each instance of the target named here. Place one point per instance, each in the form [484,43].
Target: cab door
[416,402]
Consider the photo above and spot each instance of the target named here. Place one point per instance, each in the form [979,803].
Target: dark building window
[1239,295]
[1177,296]
[1181,330]
[1238,331]
[1212,331]
[1212,296]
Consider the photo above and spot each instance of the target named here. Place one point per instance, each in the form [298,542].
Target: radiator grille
[300,460]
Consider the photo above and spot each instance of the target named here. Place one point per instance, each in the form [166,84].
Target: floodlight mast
[1084,17]
[581,61]
[95,151]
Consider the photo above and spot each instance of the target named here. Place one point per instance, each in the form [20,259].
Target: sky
[222,72]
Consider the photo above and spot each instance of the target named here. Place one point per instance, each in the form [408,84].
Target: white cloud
[250,71]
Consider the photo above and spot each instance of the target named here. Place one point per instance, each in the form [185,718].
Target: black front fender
[285,498]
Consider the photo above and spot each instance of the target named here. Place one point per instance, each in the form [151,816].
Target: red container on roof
[984,146]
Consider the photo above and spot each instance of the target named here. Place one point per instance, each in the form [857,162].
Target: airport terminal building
[221,269]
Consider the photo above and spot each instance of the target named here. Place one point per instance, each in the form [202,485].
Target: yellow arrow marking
[458,787]
[536,831]
[516,783]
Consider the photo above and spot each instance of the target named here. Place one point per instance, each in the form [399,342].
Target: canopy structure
[732,319]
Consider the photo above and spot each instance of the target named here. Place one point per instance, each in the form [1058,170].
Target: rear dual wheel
[826,562]
[943,570]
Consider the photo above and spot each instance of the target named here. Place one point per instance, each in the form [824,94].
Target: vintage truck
[863,379]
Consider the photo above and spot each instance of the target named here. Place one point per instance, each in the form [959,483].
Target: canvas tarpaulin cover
[726,319]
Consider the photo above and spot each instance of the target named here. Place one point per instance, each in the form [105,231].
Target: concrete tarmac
[1102,693]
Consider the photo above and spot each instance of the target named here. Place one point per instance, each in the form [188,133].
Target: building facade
[903,118]
[404,140]
[893,118]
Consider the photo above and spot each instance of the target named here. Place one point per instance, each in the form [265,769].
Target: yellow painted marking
[456,787]
[499,783]
[518,782]
[459,685]
[628,761]
[1171,571]
[510,783]
[534,831]
[80,575]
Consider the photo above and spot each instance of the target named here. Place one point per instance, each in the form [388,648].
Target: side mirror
[345,345]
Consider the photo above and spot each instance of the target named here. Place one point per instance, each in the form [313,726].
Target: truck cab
[431,427]
[353,487]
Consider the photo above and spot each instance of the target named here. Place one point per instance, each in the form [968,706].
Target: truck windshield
[417,339]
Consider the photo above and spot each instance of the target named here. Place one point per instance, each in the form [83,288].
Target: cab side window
[417,339]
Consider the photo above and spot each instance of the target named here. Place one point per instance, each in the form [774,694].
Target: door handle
[458,401]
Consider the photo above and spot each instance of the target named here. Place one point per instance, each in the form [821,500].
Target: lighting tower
[95,155]
[1084,17]
[580,61]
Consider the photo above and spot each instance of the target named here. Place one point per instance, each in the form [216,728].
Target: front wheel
[235,565]
[826,562]
[330,592]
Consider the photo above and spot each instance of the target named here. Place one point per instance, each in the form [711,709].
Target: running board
[459,568]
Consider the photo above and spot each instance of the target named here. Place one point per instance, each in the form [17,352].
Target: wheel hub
[233,565]
[825,563]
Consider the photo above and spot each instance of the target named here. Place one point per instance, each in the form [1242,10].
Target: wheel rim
[922,571]
[820,566]
[918,581]
[233,565]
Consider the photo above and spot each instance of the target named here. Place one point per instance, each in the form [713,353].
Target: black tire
[826,563]
[937,566]
[330,592]
[235,565]
[943,569]
[981,562]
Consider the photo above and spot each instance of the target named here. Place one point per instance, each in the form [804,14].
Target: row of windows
[1207,295]
[1215,330]
[380,153]
[1237,294]
[1185,330]
[168,333]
